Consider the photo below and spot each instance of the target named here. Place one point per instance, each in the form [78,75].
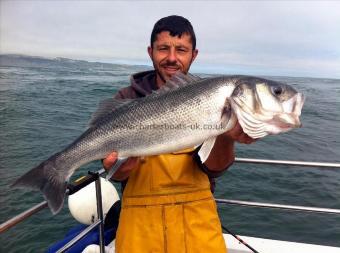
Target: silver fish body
[185,113]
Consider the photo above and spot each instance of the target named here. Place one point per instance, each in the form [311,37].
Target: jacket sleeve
[205,169]
[123,93]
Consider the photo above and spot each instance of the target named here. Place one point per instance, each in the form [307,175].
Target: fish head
[266,107]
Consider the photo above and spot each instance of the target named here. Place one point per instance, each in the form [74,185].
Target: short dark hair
[176,26]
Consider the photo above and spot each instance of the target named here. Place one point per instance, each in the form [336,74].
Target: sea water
[43,108]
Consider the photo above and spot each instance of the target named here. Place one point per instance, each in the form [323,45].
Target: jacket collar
[144,82]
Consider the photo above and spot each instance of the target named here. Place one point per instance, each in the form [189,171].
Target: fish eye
[277,90]
[237,91]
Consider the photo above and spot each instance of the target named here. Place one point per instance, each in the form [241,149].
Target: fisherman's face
[171,54]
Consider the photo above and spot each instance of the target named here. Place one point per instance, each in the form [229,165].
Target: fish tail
[45,177]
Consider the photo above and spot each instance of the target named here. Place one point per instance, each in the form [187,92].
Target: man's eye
[163,49]
[182,50]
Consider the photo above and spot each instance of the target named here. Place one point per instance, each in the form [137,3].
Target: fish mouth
[291,113]
[284,121]
[294,104]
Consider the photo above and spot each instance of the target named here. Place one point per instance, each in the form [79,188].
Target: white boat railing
[278,206]
[100,223]
[93,177]
[288,162]
[80,236]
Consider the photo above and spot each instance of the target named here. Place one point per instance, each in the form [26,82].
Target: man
[167,205]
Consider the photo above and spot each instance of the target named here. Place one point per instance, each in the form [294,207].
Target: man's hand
[123,171]
[222,154]
[237,134]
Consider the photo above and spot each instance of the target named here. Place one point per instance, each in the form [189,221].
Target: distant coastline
[22,60]
[19,60]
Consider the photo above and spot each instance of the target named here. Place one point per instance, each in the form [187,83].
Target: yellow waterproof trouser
[167,206]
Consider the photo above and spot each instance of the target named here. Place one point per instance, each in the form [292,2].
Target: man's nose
[172,56]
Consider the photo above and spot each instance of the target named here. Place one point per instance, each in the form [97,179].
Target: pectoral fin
[118,163]
[206,149]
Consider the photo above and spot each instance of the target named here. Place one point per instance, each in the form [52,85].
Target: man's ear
[150,51]
[194,55]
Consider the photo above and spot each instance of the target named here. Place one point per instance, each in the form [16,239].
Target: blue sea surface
[43,109]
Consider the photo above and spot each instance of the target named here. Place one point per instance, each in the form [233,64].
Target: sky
[282,38]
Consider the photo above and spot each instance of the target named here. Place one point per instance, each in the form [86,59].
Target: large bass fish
[186,112]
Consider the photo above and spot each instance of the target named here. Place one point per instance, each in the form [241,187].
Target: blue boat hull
[90,238]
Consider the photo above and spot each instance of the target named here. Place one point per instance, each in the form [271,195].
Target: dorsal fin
[105,107]
[176,81]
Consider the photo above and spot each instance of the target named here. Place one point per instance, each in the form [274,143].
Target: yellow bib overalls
[167,206]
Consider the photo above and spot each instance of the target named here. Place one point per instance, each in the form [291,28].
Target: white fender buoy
[83,203]
[94,248]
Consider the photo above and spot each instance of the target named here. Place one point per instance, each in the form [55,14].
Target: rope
[239,239]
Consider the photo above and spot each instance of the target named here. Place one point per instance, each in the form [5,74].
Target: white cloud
[285,38]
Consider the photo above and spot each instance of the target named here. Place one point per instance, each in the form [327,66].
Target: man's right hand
[123,171]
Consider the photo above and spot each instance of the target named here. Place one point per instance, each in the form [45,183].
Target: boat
[98,238]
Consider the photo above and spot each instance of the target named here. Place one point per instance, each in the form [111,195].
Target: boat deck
[275,246]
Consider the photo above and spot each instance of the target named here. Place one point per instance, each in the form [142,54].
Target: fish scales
[122,129]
